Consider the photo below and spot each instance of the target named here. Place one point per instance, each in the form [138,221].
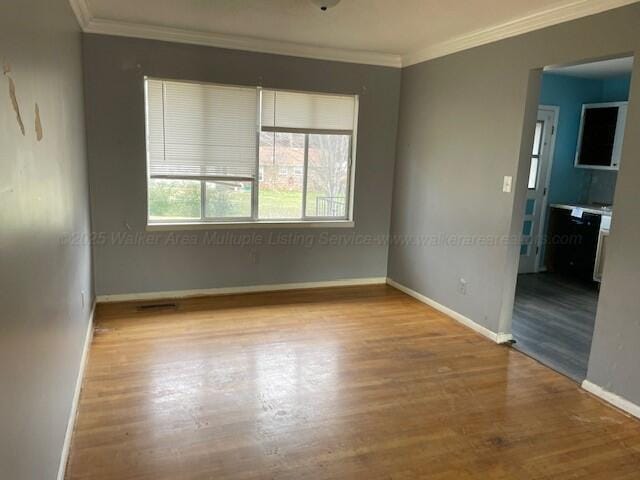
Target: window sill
[167,227]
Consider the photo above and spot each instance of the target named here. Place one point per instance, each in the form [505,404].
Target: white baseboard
[609,397]
[503,337]
[127,297]
[466,321]
[64,457]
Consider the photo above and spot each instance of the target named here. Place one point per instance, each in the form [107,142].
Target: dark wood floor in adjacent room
[553,321]
[345,383]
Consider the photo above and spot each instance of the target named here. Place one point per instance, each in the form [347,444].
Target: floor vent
[156,306]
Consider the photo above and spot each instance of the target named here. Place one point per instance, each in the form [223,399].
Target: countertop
[594,209]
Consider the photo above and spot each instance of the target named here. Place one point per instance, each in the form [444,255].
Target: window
[218,153]
[535,157]
[280,196]
[328,175]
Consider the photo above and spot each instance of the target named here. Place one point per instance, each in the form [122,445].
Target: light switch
[506,184]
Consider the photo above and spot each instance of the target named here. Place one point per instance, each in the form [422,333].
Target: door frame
[547,182]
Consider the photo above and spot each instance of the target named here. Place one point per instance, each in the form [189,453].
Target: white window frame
[206,222]
[616,154]
[537,157]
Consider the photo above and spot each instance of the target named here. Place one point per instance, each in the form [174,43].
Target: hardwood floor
[345,383]
[553,321]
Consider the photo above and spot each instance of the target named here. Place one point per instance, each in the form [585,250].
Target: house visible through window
[219,153]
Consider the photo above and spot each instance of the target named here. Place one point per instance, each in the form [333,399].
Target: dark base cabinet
[572,243]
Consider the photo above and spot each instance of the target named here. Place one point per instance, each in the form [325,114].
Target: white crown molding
[91,24]
[512,28]
[81,10]
[535,21]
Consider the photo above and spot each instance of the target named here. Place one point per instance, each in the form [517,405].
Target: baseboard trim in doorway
[612,398]
[466,321]
[128,297]
[504,337]
[66,446]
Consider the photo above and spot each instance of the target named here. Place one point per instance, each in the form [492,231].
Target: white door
[537,189]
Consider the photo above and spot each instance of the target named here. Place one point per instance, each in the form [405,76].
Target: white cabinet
[601,134]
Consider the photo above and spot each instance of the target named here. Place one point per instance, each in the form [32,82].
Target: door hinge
[553,129]
[544,191]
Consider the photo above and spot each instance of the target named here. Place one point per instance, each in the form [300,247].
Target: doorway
[568,209]
[537,188]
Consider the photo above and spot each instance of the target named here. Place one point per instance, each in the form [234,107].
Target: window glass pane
[533,174]
[328,175]
[281,161]
[531,206]
[537,138]
[598,135]
[228,199]
[174,200]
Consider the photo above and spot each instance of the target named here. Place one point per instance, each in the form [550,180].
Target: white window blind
[201,130]
[307,111]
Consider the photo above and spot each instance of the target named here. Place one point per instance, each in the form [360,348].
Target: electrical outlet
[462,287]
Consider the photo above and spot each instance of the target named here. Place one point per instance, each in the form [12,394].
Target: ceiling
[600,69]
[383,32]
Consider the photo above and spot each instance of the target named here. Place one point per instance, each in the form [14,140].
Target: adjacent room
[569,206]
[319,239]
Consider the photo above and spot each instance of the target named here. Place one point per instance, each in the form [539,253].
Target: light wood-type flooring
[342,383]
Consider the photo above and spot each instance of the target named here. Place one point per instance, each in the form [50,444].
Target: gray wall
[466,120]
[43,198]
[114,71]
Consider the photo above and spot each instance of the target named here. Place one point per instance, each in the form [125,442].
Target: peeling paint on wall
[14,102]
[39,132]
